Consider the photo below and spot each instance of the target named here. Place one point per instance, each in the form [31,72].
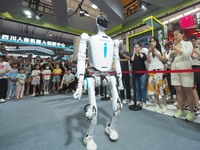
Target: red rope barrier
[146,71]
[157,71]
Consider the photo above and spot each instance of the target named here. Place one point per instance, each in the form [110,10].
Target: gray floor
[57,122]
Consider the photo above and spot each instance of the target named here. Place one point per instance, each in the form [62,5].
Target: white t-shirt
[68,77]
[156,63]
[4,66]
[46,74]
[36,74]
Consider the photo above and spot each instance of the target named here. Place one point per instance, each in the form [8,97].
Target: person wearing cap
[4,69]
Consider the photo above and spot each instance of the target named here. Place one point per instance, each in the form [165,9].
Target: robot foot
[89,142]
[113,135]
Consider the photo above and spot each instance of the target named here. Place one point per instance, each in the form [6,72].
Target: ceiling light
[87,15]
[165,22]
[94,6]
[191,11]
[28,13]
[38,16]
[83,12]
[143,7]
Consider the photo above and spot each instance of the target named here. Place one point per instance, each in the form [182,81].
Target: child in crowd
[20,83]
[28,68]
[56,77]
[68,81]
[12,81]
[36,78]
[46,74]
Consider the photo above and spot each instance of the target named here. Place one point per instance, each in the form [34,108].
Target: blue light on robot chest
[105,50]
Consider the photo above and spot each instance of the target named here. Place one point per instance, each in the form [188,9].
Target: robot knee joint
[91,113]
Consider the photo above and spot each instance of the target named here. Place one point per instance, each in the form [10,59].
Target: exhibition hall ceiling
[64,15]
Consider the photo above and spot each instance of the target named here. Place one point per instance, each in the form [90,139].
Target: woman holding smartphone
[157,84]
[183,82]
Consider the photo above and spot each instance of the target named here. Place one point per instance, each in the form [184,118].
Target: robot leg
[117,108]
[91,114]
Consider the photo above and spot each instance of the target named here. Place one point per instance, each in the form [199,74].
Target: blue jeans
[141,87]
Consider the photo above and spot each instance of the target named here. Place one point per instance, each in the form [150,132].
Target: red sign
[187,21]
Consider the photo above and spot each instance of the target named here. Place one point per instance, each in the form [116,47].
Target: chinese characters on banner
[33,41]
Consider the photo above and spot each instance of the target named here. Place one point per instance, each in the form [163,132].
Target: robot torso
[100,51]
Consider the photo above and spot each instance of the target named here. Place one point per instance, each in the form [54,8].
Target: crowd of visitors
[30,76]
[181,88]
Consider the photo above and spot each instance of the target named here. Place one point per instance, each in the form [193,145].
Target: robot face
[102,21]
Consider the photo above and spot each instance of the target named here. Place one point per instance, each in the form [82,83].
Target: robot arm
[81,64]
[117,64]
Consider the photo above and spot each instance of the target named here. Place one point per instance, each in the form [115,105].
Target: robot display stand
[134,107]
[102,52]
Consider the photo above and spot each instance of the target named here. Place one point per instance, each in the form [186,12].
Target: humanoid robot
[102,51]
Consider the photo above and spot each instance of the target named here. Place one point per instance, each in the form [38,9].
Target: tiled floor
[171,110]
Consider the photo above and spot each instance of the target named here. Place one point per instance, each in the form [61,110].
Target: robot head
[102,21]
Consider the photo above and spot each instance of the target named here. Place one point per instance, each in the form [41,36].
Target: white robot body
[101,49]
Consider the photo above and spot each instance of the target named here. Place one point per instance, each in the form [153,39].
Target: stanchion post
[105,98]
[134,107]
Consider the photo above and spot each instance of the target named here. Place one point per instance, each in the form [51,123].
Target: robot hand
[78,93]
[120,86]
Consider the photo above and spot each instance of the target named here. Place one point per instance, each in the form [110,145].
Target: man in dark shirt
[124,58]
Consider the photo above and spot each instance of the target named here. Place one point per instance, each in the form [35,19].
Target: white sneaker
[157,108]
[176,104]
[131,102]
[8,98]
[89,142]
[164,109]
[144,106]
[2,100]
[33,94]
[113,135]
[124,101]
[139,103]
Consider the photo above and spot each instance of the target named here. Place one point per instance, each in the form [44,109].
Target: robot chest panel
[101,52]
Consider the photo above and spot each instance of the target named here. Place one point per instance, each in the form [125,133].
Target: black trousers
[126,83]
[171,87]
[197,79]
[71,86]
[3,88]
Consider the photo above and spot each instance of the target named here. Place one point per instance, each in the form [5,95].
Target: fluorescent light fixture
[28,13]
[172,19]
[94,6]
[175,18]
[165,22]
[178,17]
[143,7]
[192,11]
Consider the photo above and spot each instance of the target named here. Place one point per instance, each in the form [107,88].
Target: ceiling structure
[62,18]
